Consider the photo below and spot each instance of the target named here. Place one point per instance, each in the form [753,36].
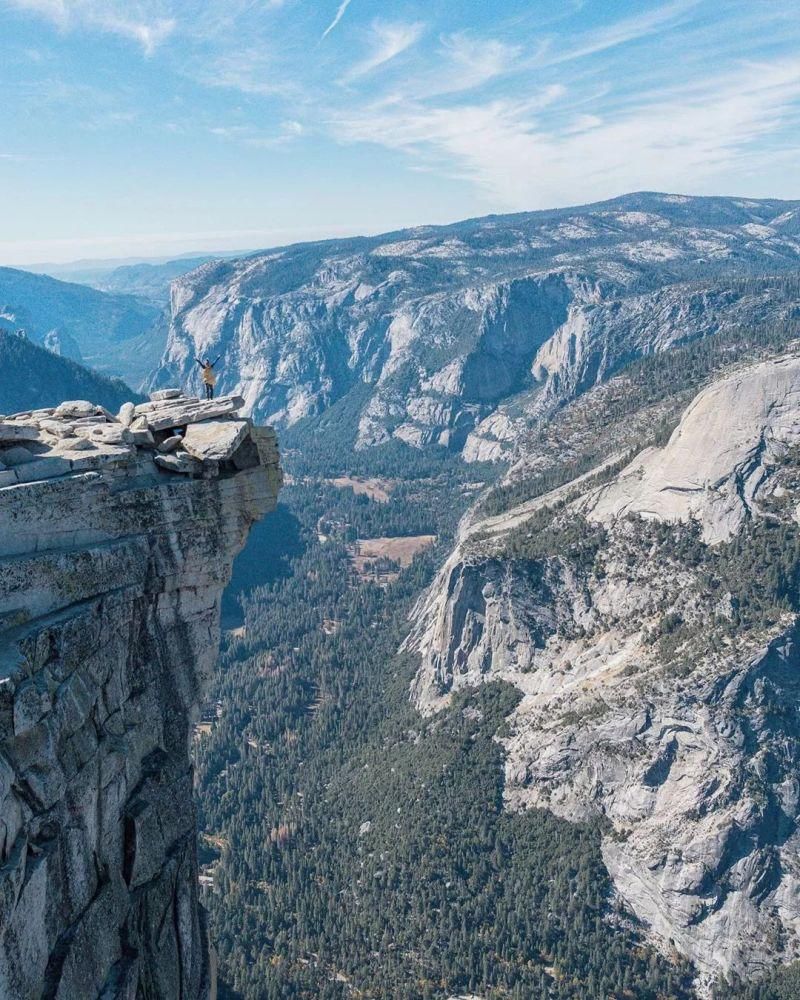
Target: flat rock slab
[46,467]
[214,440]
[18,432]
[184,412]
[184,464]
[160,394]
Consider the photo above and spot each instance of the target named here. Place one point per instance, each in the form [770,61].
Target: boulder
[58,428]
[161,394]
[215,440]
[126,414]
[16,456]
[19,432]
[169,444]
[143,438]
[76,408]
[183,463]
[78,444]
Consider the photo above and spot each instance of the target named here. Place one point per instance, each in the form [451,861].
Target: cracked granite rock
[112,574]
[691,756]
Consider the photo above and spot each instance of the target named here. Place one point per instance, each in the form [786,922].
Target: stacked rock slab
[113,565]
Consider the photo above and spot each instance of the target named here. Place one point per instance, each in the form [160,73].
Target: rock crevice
[113,566]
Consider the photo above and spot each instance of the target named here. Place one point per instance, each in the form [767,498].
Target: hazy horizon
[153,129]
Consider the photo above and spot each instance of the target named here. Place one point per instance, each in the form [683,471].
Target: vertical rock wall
[110,586]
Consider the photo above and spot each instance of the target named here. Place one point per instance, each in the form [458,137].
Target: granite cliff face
[647,611]
[461,336]
[117,536]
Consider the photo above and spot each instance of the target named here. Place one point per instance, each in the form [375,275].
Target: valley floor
[350,847]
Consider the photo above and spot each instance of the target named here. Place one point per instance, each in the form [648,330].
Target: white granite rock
[691,757]
[714,465]
[215,440]
[10,433]
[75,408]
[109,628]
[181,412]
[58,428]
[161,394]
[170,444]
[126,414]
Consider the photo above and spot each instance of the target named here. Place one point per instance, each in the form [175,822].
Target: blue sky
[156,127]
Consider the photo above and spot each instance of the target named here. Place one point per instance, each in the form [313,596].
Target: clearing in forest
[379,490]
[379,558]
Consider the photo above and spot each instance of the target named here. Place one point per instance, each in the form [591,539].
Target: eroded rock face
[461,336]
[112,574]
[716,462]
[690,749]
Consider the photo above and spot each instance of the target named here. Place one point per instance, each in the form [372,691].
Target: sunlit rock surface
[691,756]
[460,336]
[112,573]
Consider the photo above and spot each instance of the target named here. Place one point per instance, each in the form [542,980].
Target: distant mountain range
[148,277]
[117,335]
[34,377]
[461,336]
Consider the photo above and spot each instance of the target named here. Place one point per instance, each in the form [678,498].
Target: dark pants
[209,391]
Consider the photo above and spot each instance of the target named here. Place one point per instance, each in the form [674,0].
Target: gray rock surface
[714,467]
[690,751]
[109,623]
[214,440]
[461,336]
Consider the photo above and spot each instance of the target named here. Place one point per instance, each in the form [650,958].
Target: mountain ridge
[426,318]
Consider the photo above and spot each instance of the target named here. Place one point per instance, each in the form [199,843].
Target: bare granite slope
[641,615]
[115,546]
[460,337]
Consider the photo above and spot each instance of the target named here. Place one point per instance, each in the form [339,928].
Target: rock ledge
[114,557]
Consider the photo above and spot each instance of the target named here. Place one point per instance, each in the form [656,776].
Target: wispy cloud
[670,141]
[250,70]
[621,32]
[387,42]
[127,20]
[337,17]
[250,135]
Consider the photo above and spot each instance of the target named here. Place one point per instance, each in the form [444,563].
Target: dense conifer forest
[358,849]
[351,847]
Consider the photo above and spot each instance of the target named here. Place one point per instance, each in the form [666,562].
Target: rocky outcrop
[716,463]
[648,696]
[113,569]
[461,336]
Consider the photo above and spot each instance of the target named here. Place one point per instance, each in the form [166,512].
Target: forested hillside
[352,846]
[33,377]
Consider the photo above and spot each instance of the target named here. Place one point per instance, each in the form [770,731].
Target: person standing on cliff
[209,375]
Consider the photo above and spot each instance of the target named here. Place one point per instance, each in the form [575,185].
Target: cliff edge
[117,535]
